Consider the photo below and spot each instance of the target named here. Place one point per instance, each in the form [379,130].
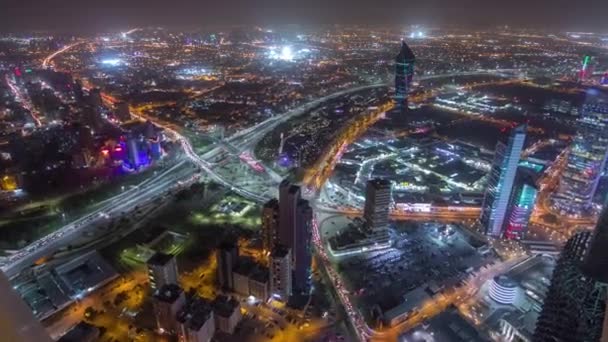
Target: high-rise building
[162,270]
[289,195]
[586,159]
[404,74]
[17,322]
[121,109]
[575,307]
[280,272]
[196,321]
[500,183]
[270,224]
[227,258]
[302,247]
[167,303]
[227,313]
[521,204]
[377,203]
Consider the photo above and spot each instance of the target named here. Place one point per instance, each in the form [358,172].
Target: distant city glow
[112,61]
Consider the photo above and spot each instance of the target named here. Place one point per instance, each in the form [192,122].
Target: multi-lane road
[179,175]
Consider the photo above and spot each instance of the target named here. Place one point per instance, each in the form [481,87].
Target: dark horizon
[111,15]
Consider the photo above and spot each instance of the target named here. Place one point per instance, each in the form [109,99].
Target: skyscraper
[404,73]
[500,183]
[295,222]
[377,202]
[289,195]
[521,204]
[162,270]
[575,307]
[227,258]
[280,272]
[302,247]
[270,224]
[586,159]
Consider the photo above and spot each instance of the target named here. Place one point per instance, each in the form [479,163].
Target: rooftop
[168,293]
[160,259]
[225,306]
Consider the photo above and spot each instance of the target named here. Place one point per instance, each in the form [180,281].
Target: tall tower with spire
[404,74]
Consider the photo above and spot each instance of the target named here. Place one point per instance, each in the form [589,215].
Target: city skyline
[306,182]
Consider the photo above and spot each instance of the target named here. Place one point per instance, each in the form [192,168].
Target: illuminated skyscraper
[586,69]
[404,73]
[377,202]
[270,224]
[586,159]
[575,307]
[521,204]
[500,183]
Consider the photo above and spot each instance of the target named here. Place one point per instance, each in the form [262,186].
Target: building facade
[162,270]
[377,204]
[280,272]
[500,182]
[404,74]
[167,303]
[270,224]
[521,205]
[575,307]
[586,159]
[227,258]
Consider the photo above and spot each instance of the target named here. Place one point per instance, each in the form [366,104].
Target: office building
[227,314]
[270,224]
[575,307]
[295,229]
[121,110]
[500,182]
[586,159]
[162,270]
[404,74]
[280,272]
[377,203]
[17,322]
[302,260]
[167,303]
[227,258]
[196,321]
[521,204]
[289,195]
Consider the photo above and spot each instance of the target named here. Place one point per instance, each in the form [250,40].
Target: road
[144,193]
[23,98]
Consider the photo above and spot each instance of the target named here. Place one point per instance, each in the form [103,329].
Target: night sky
[101,15]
